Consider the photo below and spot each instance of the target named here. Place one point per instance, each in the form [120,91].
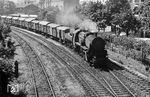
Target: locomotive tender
[87,44]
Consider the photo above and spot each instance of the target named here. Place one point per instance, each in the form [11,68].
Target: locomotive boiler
[91,47]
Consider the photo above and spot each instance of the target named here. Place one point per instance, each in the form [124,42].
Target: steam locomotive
[86,43]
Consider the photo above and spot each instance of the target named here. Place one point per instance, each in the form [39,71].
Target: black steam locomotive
[87,44]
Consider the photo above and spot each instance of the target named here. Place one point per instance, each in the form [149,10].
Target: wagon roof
[63,28]
[15,15]
[15,18]
[35,21]
[44,22]
[24,15]
[53,25]
[3,16]
[33,16]
[9,17]
[21,19]
[29,19]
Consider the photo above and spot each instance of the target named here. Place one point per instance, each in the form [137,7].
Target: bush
[7,52]
[127,46]
[126,42]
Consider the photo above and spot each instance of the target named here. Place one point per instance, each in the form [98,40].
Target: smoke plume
[69,17]
[88,25]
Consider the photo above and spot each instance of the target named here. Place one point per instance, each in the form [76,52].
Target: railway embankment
[130,64]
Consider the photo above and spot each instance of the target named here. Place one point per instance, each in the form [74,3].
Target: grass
[129,62]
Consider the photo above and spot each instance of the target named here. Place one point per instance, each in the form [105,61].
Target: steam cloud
[68,17]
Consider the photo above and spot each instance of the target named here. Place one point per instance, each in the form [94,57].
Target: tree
[117,6]
[1,7]
[121,14]
[8,7]
[144,16]
[48,14]
[95,11]
[11,7]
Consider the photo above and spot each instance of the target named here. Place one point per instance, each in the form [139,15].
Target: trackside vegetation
[7,62]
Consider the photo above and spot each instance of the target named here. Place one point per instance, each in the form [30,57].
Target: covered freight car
[28,24]
[51,30]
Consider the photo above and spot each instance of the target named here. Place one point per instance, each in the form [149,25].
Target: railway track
[92,90]
[99,88]
[118,90]
[135,80]
[34,61]
[31,69]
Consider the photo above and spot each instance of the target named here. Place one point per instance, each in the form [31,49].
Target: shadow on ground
[109,66]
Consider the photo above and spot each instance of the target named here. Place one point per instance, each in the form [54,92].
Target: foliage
[115,12]
[11,7]
[127,46]
[117,6]
[7,67]
[7,8]
[52,13]
[144,11]
[122,15]
[95,11]
[126,42]
[48,14]
[7,52]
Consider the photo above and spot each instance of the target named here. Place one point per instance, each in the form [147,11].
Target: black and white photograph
[74,48]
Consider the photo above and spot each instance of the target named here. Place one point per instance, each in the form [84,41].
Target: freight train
[86,43]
